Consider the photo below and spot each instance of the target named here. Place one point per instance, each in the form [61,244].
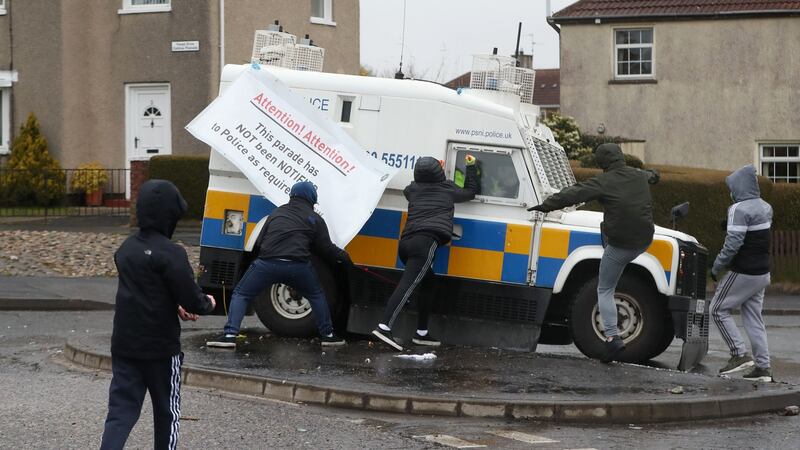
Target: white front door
[148,129]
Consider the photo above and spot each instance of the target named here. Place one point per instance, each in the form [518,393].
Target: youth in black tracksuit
[431,200]
[155,279]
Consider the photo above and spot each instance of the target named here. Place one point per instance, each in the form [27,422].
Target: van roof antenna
[399,75]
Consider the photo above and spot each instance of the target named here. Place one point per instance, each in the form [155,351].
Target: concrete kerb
[568,411]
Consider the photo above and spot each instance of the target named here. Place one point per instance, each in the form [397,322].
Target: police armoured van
[510,278]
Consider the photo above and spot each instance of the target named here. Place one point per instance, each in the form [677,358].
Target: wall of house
[722,87]
[5,40]
[341,42]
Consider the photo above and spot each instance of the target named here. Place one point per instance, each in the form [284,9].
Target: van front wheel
[287,313]
[643,320]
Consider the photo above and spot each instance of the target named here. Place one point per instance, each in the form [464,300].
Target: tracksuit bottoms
[131,378]
[746,292]
[417,253]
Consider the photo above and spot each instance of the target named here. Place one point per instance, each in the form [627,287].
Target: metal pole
[516,52]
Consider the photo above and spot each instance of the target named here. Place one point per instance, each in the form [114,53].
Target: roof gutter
[721,15]
[553,25]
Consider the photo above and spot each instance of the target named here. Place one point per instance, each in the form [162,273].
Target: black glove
[539,208]
[344,259]
[713,277]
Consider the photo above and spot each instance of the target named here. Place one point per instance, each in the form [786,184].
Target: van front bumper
[690,320]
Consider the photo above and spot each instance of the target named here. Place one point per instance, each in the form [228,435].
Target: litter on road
[423,357]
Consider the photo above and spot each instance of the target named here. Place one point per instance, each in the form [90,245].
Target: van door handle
[135,142]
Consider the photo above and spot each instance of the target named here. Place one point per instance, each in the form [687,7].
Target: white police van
[512,278]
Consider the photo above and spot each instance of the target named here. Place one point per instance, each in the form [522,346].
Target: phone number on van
[396,159]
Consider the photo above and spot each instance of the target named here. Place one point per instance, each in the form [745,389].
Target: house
[116,81]
[706,83]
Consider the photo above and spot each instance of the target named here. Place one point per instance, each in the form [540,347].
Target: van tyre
[644,320]
[286,313]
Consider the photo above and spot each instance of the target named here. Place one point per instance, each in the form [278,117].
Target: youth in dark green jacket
[627,226]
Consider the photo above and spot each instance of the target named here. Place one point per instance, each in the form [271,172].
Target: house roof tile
[591,9]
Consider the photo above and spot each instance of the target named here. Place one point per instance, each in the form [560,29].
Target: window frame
[651,46]
[516,159]
[129,8]
[3,8]
[5,120]
[779,159]
[327,14]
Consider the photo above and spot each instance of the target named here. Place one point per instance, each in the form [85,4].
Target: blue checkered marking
[547,270]
[259,208]
[581,238]
[515,268]
[480,234]
[384,223]
[211,235]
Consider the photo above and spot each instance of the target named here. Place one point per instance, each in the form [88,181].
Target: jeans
[262,274]
[612,264]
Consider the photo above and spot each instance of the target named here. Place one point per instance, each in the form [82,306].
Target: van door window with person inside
[498,178]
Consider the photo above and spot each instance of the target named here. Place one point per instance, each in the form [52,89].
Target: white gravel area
[65,254]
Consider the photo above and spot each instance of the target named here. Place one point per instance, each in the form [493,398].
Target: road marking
[450,441]
[522,437]
[589,448]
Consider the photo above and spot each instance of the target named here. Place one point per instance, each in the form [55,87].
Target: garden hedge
[190,175]
[709,200]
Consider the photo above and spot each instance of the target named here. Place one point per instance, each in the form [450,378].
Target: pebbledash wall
[721,87]
[73,61]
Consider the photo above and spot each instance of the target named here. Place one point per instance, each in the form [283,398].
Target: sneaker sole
[739,368]
[428,343]
[333,344]
[762,379]
[221,344]
[388,341]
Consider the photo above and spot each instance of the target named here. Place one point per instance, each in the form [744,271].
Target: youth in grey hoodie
[746,248]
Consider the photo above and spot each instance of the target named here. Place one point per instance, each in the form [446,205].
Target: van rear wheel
[643,320]
[287,313]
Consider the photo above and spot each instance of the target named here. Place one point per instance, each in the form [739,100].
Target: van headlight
[234,222]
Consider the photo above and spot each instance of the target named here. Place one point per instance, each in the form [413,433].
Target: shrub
[32,175]
[591,141]
[709,199]
[89,177]
[566,132]
[189,174]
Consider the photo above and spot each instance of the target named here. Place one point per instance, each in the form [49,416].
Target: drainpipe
[550,19]
[221,37]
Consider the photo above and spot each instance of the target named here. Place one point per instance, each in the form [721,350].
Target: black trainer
[386,337]
[613,349]
[759,374]
[332,341]
[222,341]
[425,340]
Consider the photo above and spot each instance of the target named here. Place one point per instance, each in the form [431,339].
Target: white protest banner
[276,139]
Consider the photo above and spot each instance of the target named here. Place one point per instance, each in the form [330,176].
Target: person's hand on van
[539,208]
[470,160]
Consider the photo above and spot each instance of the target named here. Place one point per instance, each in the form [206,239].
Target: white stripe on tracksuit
[175,402]
[413,286]
[746,292]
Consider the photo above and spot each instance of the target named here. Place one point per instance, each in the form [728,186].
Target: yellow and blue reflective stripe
[488,250]
[556,244]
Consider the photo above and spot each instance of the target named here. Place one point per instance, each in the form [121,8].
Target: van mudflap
[691,322]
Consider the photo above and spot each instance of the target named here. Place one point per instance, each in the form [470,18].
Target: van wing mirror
[679,212]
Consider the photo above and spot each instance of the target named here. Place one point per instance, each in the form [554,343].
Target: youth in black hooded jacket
[154,278]
[431,200]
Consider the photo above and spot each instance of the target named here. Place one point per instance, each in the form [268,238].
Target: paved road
[47,404]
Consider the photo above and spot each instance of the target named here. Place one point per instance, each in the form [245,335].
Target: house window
[633,53]
[5,120]
[145,6]
[2,7]
[322,12]
[781,162]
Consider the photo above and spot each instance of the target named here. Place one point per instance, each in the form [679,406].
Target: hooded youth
[624,193]
[294,230]
[431,197]
[746,247]
[154,278]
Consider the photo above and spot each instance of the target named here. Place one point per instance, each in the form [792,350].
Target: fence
[785,253]
[63,192]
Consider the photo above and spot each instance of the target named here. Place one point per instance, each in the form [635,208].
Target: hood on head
[609,156]
[159,207]
[743,183]
[305,190]
[428,170]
